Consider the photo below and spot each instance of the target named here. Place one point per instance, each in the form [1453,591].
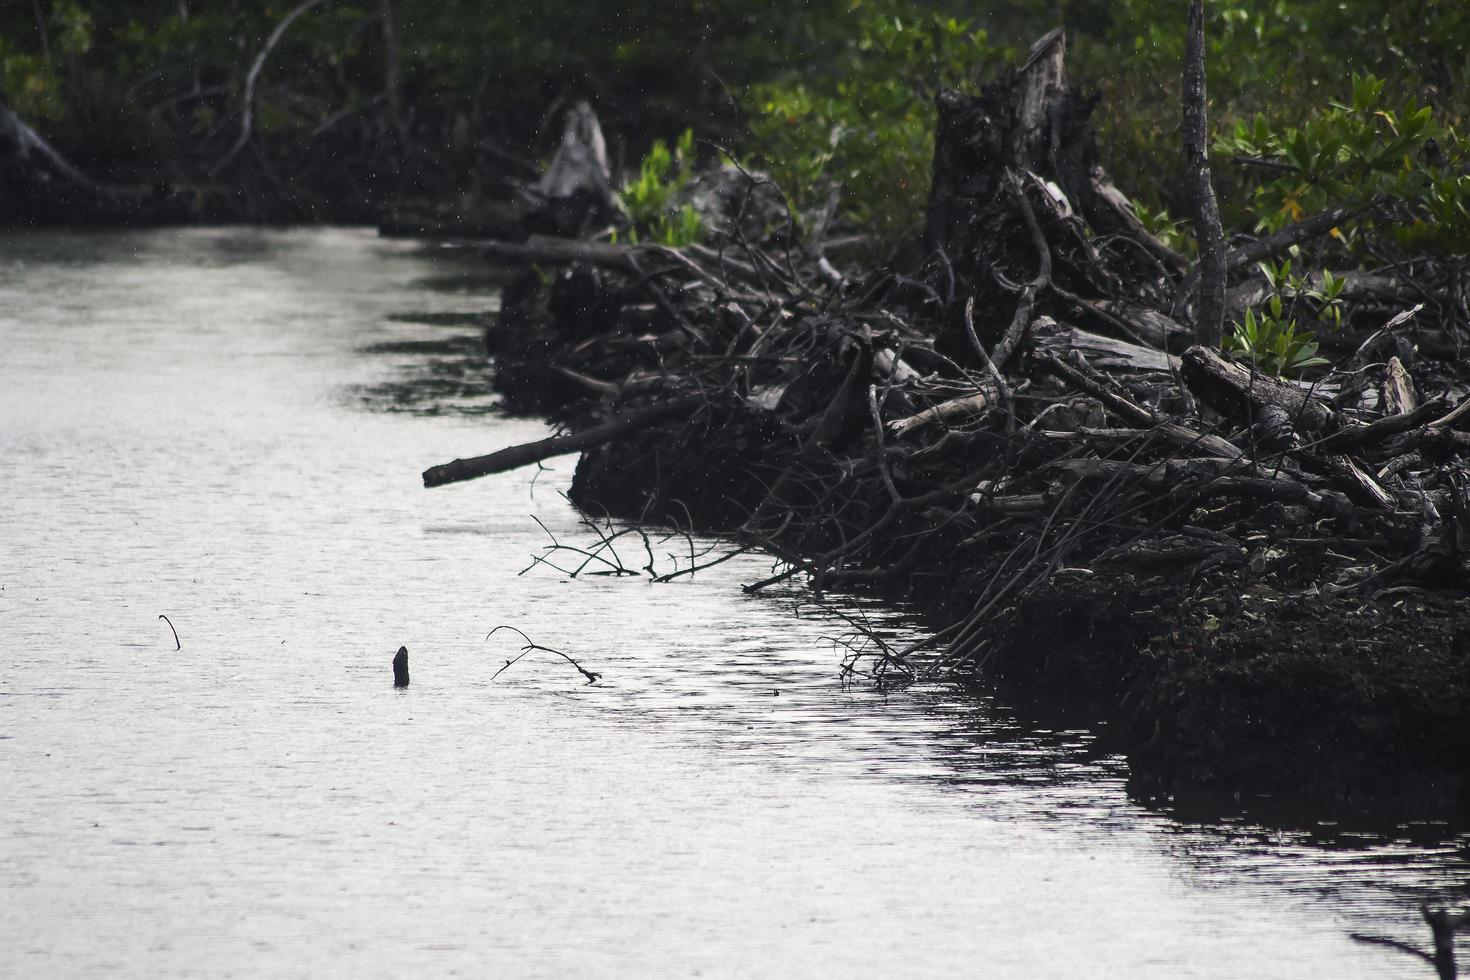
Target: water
[226,427]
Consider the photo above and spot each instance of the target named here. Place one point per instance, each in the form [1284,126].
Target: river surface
[226,427]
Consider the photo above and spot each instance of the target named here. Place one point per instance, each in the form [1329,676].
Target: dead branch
[247,96]
[533,452]
[532,646]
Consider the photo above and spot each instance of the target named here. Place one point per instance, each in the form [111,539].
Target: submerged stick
[531,645]
[400,667]
[533,452]
[177,644]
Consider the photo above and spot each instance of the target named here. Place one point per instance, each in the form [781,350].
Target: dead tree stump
[400,667]
[1018,196]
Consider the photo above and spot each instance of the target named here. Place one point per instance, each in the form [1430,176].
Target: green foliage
[74,27]
[648,198]
[866,127]
[1349,155]
[1273,345]
[1280,57]
[1365,152]
[1164,227]
[29,83]
[1442,224]
[836,94]
[1274,342]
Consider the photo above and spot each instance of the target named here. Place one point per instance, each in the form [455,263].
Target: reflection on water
[228,426]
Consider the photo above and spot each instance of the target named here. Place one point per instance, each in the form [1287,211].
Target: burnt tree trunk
[1017,203]
[1209,320]
[575,194]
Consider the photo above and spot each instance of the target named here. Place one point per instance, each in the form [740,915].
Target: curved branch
[247,101]
[531,646]
[177,644]
[16,130]
[1021,321]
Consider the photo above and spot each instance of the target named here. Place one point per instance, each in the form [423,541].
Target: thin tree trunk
[41,29]
[1210,311]
[392,86]
[247,99]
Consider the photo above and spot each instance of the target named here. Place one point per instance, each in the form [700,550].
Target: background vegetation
[834,97]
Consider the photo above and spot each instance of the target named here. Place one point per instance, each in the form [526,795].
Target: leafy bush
[1282,57]
[1346,155]
[648,197]
[1274,342]
[1274,345]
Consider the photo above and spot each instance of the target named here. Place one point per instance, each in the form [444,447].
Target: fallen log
[1201,443]
[1157,329]
[1362,436]
[1358,484]
[1275,244]
[1239,393]
[533,452]
[1107,353]
[1200,479]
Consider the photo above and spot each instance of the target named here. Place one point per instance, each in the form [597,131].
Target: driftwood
[948,412]
[1399,396]
[1153,327]
[1107,353]
[1183,436]
[1356,437]
[534,452]
[1204,478]
[1240,393]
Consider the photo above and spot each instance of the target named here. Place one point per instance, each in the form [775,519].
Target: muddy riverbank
[1243,680]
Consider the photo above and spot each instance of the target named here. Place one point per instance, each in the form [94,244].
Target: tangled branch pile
[1022,437]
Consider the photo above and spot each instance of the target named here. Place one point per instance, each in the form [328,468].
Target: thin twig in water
[699,568]
[177,644]
[532,645]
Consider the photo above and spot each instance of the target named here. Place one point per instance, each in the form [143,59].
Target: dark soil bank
[1230,685]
